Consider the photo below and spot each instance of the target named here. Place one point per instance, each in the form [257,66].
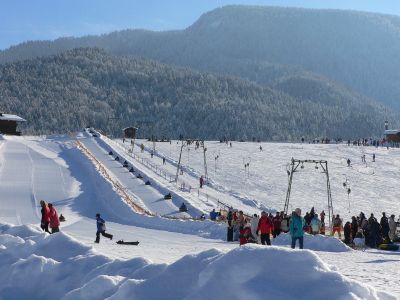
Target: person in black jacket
[385,226]
[354,227]
[347,233]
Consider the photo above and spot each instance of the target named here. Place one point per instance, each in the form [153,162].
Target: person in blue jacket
[101,229]
[296,228]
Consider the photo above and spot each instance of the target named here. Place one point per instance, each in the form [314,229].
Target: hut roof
[8,117]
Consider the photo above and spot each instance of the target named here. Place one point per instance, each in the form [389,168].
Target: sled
[121,242]
[389,247]
[359,244]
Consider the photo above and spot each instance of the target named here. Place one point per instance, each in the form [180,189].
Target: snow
[8,117]
[314,242]
[241,273]
[178,259]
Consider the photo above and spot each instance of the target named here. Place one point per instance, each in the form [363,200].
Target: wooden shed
[130,132]
[8,124]
[392,135]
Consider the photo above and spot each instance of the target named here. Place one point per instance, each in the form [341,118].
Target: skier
[373,157]
[260,148]
[296,228]
[315,225]
[348,162]
[44,223]
[151,153]
[101,229]
[54,221]
[163,160]
[201,181]
[264,227]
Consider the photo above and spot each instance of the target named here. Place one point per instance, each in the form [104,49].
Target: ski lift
[316,166]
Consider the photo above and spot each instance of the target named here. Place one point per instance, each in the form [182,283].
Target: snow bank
[42,266]
[314,242]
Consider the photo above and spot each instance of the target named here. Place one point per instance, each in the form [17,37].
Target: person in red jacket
[44,222]
[54,221]
[276,221]
[246,236]
[265,228]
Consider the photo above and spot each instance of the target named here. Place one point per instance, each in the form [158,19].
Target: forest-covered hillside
[355,49]
[84,87]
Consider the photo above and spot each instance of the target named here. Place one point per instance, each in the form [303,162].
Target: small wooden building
[392,135]
[8,124]
[130,132]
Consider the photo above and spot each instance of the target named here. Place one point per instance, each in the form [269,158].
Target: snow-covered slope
[264,184]
[70,265]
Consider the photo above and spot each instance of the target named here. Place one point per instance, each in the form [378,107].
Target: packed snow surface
[176,259]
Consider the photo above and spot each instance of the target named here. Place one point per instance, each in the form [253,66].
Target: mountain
[81,87]
[357,50]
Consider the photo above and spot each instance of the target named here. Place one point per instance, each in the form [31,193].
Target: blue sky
[23,20]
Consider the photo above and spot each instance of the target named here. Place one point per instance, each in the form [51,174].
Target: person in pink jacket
[54,221]
[45,220]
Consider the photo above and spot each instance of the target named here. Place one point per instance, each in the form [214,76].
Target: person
[54,221]
[322,216]
[201,181]
[241,220]
[296,228]
[45,220]
[101,229]
[392,228]
[337,226]
[359,240]
[229,217]
[374,237]
[385,226]
[245,235]
[347,233]
[163,160]
[213,215]
[260,148]
[348,162]
[284,223]
[354,226]
[61,218]
[183,207]
[276,222]
[141,148]
[315,225]
[254,224]
[264,227]
[373,157]
[151,154]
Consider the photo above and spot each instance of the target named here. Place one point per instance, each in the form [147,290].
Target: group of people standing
[49,217]
[374,232]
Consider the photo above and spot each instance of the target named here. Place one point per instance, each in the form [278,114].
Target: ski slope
[374,185]
[175,258]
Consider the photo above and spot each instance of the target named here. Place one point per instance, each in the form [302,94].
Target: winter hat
[97,215]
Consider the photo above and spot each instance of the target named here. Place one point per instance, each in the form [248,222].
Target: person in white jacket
[315,225]
[253,225]
[392,228]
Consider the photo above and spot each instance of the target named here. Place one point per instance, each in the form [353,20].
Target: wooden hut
[8,124]
[391,135]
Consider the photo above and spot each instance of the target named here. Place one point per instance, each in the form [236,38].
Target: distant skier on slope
[101,229]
